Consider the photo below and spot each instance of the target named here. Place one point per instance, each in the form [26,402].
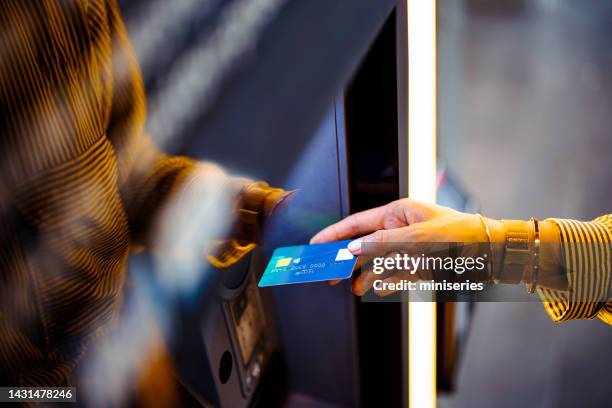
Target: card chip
[283,262]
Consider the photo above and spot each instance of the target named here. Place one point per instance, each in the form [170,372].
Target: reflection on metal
[192,86]
[422,186]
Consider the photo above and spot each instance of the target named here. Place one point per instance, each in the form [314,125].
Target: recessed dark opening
[372,147]
[225,367]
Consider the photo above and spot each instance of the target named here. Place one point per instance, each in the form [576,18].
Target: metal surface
[269,108]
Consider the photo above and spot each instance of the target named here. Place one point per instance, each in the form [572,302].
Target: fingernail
[355,245]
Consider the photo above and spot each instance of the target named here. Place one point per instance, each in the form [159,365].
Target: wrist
[497,238]
[551,269]
[550,260]
[497,231]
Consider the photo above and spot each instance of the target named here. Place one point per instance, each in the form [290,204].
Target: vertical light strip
[422,99]
[422,186]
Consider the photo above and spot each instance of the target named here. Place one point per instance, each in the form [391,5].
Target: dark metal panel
[267,110]
[316,321]
[401,55]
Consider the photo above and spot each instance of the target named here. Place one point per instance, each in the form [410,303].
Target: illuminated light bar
[422,186]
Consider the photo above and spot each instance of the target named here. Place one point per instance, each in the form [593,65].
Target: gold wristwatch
[517,251]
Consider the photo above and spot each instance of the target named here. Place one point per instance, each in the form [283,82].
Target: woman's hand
[404,221]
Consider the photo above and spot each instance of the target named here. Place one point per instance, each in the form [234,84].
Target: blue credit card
[309,263]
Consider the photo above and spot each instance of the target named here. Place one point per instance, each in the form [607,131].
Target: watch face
[518,240]
[517,247]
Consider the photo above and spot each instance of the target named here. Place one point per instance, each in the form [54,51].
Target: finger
[334,282]
[364,282]
[356,224]
[396,235]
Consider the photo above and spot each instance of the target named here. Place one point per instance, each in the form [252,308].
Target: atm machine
[317,109]
[318,105]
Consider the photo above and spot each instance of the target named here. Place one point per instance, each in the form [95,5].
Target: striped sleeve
[152,181]
[147,177]
[586,251]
